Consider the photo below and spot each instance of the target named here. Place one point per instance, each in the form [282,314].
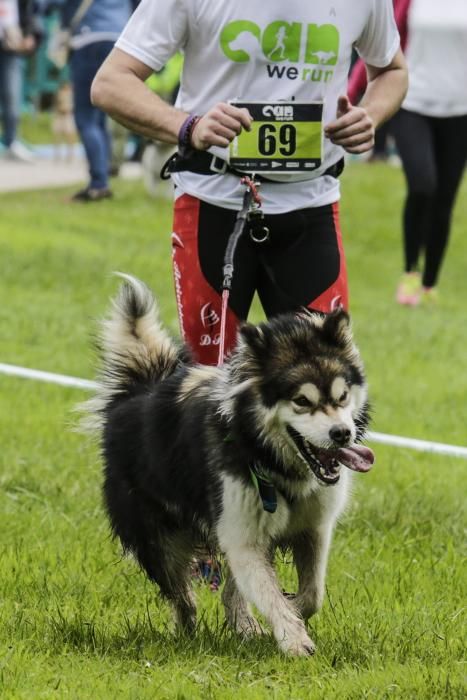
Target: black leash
[250,211]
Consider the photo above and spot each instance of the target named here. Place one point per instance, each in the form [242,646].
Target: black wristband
[184,135]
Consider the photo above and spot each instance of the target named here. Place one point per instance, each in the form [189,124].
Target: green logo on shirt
[283,41]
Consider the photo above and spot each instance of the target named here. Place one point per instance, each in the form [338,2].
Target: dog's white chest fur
[244,521]
[323,505]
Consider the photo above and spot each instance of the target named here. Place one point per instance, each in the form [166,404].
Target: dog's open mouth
[326,464]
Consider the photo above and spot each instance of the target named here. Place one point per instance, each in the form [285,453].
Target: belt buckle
[214,168]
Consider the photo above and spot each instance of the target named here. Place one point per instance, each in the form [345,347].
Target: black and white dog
[242,459]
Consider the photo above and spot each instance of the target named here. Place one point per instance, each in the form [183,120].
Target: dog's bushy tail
[135,351]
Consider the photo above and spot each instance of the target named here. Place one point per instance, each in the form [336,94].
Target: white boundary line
[382,438]
[439,448]
[62,379]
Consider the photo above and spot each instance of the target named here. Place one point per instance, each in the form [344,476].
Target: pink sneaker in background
[409,289]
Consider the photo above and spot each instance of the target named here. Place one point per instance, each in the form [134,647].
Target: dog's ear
[337,329]
[252,335]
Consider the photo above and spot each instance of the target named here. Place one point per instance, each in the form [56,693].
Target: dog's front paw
[298,644]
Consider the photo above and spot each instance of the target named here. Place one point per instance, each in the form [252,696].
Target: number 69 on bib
[284,137]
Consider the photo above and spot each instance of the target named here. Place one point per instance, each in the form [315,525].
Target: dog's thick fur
[179,441]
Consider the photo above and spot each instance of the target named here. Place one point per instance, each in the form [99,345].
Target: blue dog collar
[266,490]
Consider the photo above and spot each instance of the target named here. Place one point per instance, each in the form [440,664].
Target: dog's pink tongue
[358,458]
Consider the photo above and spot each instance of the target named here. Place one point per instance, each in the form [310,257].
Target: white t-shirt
[262,50]
[437,58]
[9,15]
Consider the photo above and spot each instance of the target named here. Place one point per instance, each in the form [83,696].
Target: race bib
[284,137]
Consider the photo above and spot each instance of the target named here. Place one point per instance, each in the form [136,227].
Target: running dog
[241,459]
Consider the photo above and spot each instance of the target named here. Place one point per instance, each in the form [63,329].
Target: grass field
[78,622]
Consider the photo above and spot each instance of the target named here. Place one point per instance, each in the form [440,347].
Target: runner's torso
[256,50]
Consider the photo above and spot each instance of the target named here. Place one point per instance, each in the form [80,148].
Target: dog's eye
[343,398]
[302,401]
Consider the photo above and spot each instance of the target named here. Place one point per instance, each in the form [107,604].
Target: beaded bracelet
[185,146]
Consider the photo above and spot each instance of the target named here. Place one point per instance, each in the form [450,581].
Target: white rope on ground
[382,438]
[62,379]
[439,448]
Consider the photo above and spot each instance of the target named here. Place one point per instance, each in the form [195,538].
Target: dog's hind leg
[163,550]
[167,562]
[184,605]
[237,611]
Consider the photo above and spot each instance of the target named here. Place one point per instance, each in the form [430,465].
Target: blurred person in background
[431,137]
[19,36]
[91,42]
[358,82]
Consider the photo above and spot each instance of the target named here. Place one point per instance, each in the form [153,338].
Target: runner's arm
[386,89]
[354,127]
[119,89]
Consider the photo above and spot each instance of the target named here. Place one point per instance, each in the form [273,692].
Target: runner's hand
[220,126]
[353,128]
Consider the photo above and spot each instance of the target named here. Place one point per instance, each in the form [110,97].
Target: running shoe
[18,152]
[91,194]
[207,571]
[429,297]
[409,289]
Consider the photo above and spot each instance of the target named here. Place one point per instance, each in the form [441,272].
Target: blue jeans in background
[10,95]
[90,121]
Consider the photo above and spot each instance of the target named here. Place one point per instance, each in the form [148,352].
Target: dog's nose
[340,434]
